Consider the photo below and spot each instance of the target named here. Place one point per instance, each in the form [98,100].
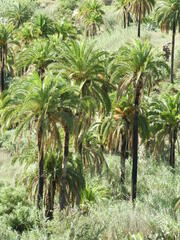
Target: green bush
[15,210]
[6,232]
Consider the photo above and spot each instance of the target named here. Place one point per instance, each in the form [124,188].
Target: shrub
[15,210]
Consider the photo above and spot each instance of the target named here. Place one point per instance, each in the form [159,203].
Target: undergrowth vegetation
[103,213]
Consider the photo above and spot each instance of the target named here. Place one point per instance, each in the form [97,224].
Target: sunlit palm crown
[167,13]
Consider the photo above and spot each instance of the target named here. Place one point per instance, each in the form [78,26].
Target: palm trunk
[172,51]
[139,22]
[80,147]
[50,199]
[135,143]
[128,16]
[94,29]
[124,15]
[173,138]
[128,19]
[41,169]
[62,197]
[123,157]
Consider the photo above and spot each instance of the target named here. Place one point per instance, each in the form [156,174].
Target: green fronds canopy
[85,66]
[146,6]
[6,33]
[168,13]
[91,14]
[136,62]
[29,104]
[39,53]
[53,173]
[18,12]
[164,116]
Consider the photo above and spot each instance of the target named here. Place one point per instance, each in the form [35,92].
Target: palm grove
[74,103]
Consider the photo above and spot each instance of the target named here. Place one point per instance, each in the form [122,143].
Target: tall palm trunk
[2,71]
[139,21]
[135,140]
[62,197]
[41,157]
[129,19]
[124,16]
[172,51]
[41,168]
[50,199]
[173,138]
[123,157]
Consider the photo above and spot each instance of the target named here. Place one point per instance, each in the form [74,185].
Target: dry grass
[7,170]
[113,40]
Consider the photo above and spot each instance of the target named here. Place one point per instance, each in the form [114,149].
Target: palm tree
[167,14]
[91,14]
[6,41]
[52,178]
[84,66]
[33,104]
[138,66]
[140,8]
[38,54]
[19,12]
[45,26]
[164,116]
[114,132]
[125,6]
[75,182]
[116,129]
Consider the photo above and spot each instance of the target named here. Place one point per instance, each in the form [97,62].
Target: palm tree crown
[85,66]
[140,8]
[91,13]
[168,16]
[164,118]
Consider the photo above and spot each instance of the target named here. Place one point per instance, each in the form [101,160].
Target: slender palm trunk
[41,157]
[62,197]
[135,142]
[173,138]
[80,147]
[123,158]
[128,16]
[50,199]
[172,51]
[94,29]
[128,19]
[41,169]
[139,21]
[2,71]
[124,16]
